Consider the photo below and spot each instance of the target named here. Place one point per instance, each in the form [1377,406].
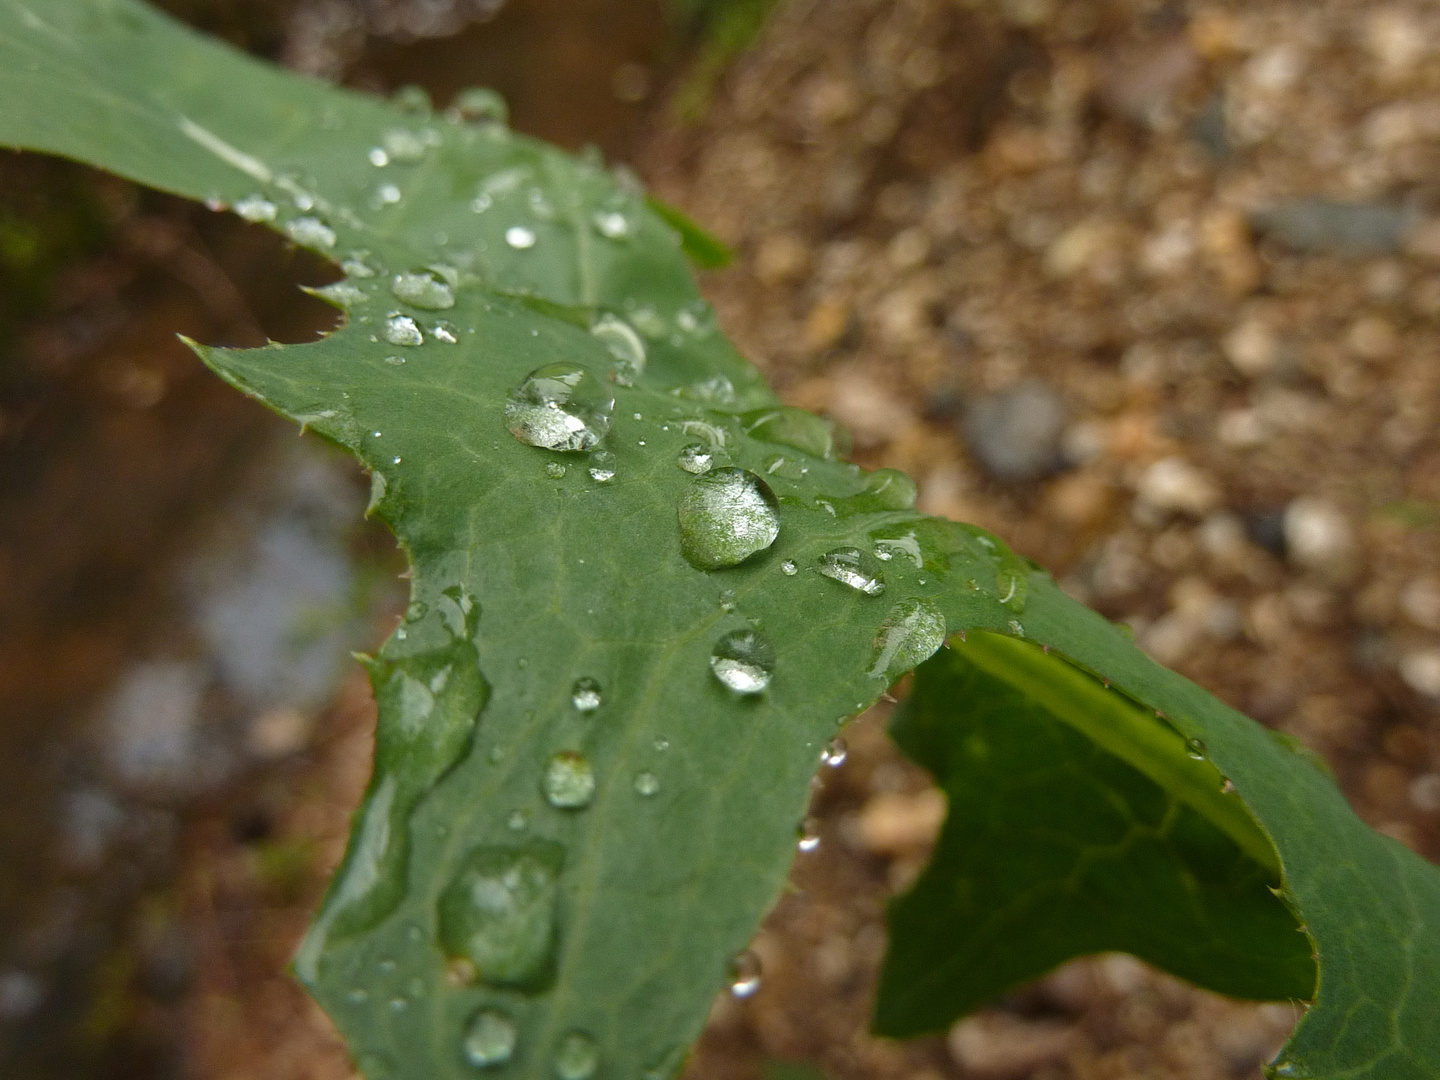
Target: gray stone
[1015,434]
[1348,228]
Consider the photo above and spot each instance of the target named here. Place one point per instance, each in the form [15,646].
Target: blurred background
[1149,287]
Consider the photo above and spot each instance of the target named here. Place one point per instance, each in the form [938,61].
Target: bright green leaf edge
[76,85]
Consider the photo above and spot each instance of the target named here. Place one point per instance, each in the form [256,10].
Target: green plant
[646,594]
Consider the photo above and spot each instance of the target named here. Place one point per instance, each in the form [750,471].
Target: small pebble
[1421,672]
[1347,228]
[1317,534]
[1016,433]
[1173,484]
[997,1046]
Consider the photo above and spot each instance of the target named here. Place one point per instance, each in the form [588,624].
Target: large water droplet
[569,781]
[311,232]
[256,208]
[498,913]
[480,105]
[620,338]
[744,974]
[744,660]
[489,1039]
[612,224]
[585,694]
[602,466]
[519,237]
[577,1057]
[400,329]
[647,784]
[726,516]
[423,289]
[853,567]
[695,458]
[792,427]
[910,635]
[560,407]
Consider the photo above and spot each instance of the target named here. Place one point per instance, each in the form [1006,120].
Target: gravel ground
[1151,290]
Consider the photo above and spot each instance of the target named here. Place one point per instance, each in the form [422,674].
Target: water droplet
[612,224]
[620,338]
[358,264]
[401,330]
[577,1057]
[853,567]
[910,635]
[256,208]
[411,99]
[480,105]
[744,974]
[404,145]
[560,407]
[489,1039]
[1016,628]
[519,237]
[518,821]
[446,332]
[358,996]
[716,390]
[727,600]
[311,232]
[662,744]
[498,913]
[378,157]
[796,428]
[569,781]
[423,289]
[1195,749]
[585,694]
[835,753]
[386,195]
[647,784]
[807,838]
[744,660]
[344,294]
[695,458]
[887,547]
[602,466]
[726,516]
[788,568]
[554,470]
[398,1004]
[1287,1069]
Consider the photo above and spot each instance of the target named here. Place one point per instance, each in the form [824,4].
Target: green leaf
[555,739]
[1077,824]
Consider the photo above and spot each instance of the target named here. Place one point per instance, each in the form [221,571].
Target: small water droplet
[411,99]
[517,821]
[399,1004]
[744,661]
[726,516]
[808,836]
[404,145]
[623,343]
[401,330]
[446,332]
[853,567]
[662,744]
[602,466]
[386,195]
[1013,626]
[395,460]
[311,232]
[744,974]
[554,470]
[835,753]
[1195,749]
[423,289]
[569,781]
[358,996]
[378,157]
[910,634]
[612,224]
[358,264]
[696,458]
[498,912]
[256,208]
[585,694]
[647,784]
[386,966]
[490,1039]
[577,1057]
[519,237]
[480,105]
[560,407]
[788,568]
[1287,1069]
[343,293]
